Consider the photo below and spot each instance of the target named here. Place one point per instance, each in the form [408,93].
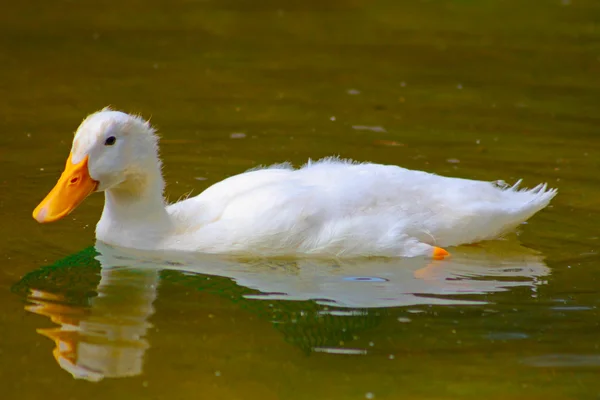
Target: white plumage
[336,207]
[330,207]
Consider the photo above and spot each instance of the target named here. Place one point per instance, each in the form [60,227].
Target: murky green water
[485,90]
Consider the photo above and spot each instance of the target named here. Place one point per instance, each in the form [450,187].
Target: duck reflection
[361,283]
[106,337]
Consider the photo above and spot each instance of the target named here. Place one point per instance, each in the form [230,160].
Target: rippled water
[484,90]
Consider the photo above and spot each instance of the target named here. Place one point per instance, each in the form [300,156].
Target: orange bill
[74,185]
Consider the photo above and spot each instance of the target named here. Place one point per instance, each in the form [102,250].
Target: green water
[483,90]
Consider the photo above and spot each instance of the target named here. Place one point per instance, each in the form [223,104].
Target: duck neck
[137,203]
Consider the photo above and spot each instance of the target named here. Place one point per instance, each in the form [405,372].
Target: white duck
[327,208]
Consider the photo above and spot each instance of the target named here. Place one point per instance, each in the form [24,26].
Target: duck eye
[110,141]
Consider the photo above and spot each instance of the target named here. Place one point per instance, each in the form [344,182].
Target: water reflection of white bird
[357,283]
[106,339]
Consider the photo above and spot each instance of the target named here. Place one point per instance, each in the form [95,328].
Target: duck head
[111,150]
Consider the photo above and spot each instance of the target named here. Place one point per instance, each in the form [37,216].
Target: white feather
[341,208]
[330,207]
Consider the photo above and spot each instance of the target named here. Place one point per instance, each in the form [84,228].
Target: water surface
[483,90]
